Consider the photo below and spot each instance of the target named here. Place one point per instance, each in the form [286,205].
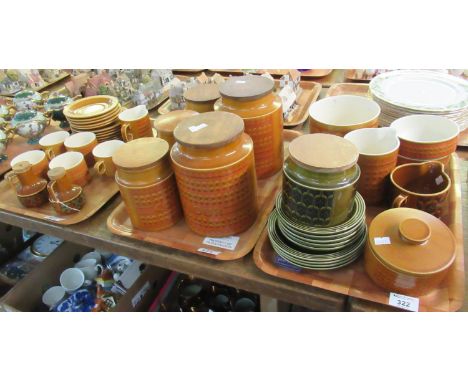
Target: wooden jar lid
[417,242]
[209,130]
[169,121]
[246,88]
[21,167]
[140,153]
[323,152]
[202,93]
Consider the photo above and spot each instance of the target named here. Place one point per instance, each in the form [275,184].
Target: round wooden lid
[323,152]
[411,241]
[169,121]
[56,173]
[140,153]
[202,93]
[20,167]
[209,130]
[245,88]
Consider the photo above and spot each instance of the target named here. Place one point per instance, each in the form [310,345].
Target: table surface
[240,273]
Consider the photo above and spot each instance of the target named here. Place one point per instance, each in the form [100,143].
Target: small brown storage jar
[201,98]
[214,167]
[252,98]
[147,183]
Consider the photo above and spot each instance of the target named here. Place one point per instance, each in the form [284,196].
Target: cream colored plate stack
[404,92]
[97,114]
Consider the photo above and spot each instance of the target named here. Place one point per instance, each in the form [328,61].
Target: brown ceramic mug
[378,154]
[423,186]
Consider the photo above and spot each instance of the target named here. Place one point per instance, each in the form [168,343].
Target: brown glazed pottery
[408,251]
[423,186]
[66,197]
[147,183]
[214,166]
[135,123]
[378,154]
[166,123]
[201,98]
[426,137]
[252,98]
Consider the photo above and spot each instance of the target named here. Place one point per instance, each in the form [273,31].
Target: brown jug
[66,197]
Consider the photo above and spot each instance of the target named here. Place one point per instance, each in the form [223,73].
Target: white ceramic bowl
[374,141]
[342,114]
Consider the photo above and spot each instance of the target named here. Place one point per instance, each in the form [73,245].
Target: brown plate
[97,193]
[349,88]
[353,280]
[90,107]
[19,145]
[180,237]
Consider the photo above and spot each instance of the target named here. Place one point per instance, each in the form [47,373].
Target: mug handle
[12,179]
[100,167]
[399,201]
[49,154]
[126,135]
[50,189]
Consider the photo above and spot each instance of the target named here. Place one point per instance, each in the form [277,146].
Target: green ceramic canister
[319,180]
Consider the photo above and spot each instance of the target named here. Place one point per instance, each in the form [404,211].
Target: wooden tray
[180,236]
[350,74]
[311,73]
[309,94]
[348,88]
[97,192]
[19,145]
[62,76]
[353,281]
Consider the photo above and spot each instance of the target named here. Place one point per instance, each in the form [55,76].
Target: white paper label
[54,218]
[287,97]
[222,242]
[210,251]
[404,302]
[382,240]
[439,180]
[197,127]
[140,294]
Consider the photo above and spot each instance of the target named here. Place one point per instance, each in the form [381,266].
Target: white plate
[421,90]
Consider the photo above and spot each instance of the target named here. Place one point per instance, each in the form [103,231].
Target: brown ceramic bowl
[343,113]
[426,137]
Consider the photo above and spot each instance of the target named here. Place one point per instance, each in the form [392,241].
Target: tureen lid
[209,130]
[323,152]
[169,121]
[246,87]
[202,93]
[140,153]
[411,241]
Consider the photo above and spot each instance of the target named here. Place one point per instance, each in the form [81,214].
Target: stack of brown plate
[97,114]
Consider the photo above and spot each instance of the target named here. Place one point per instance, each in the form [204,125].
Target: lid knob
[414,231]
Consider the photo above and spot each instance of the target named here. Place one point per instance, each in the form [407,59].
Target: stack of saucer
[319,248]
[97,114]
[404,92]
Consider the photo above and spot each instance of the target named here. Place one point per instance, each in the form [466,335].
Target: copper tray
[353,281]
[348,88]
[43,87]
[19,145]
[309,94]
[97,193]
[180,237]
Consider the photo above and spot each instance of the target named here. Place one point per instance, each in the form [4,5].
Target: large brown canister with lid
[252,98]
[408,251]
[214,166]
[147,185]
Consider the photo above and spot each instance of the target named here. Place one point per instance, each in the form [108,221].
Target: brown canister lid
[202,93]
[246,88]
[169,121]
[411,241]
[323,152]
[209,130]
[140,153]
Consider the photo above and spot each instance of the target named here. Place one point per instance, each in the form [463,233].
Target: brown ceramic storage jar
[201,98]
[214,167]
[166,123]
[252,98]
[408,251]
[147,183]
